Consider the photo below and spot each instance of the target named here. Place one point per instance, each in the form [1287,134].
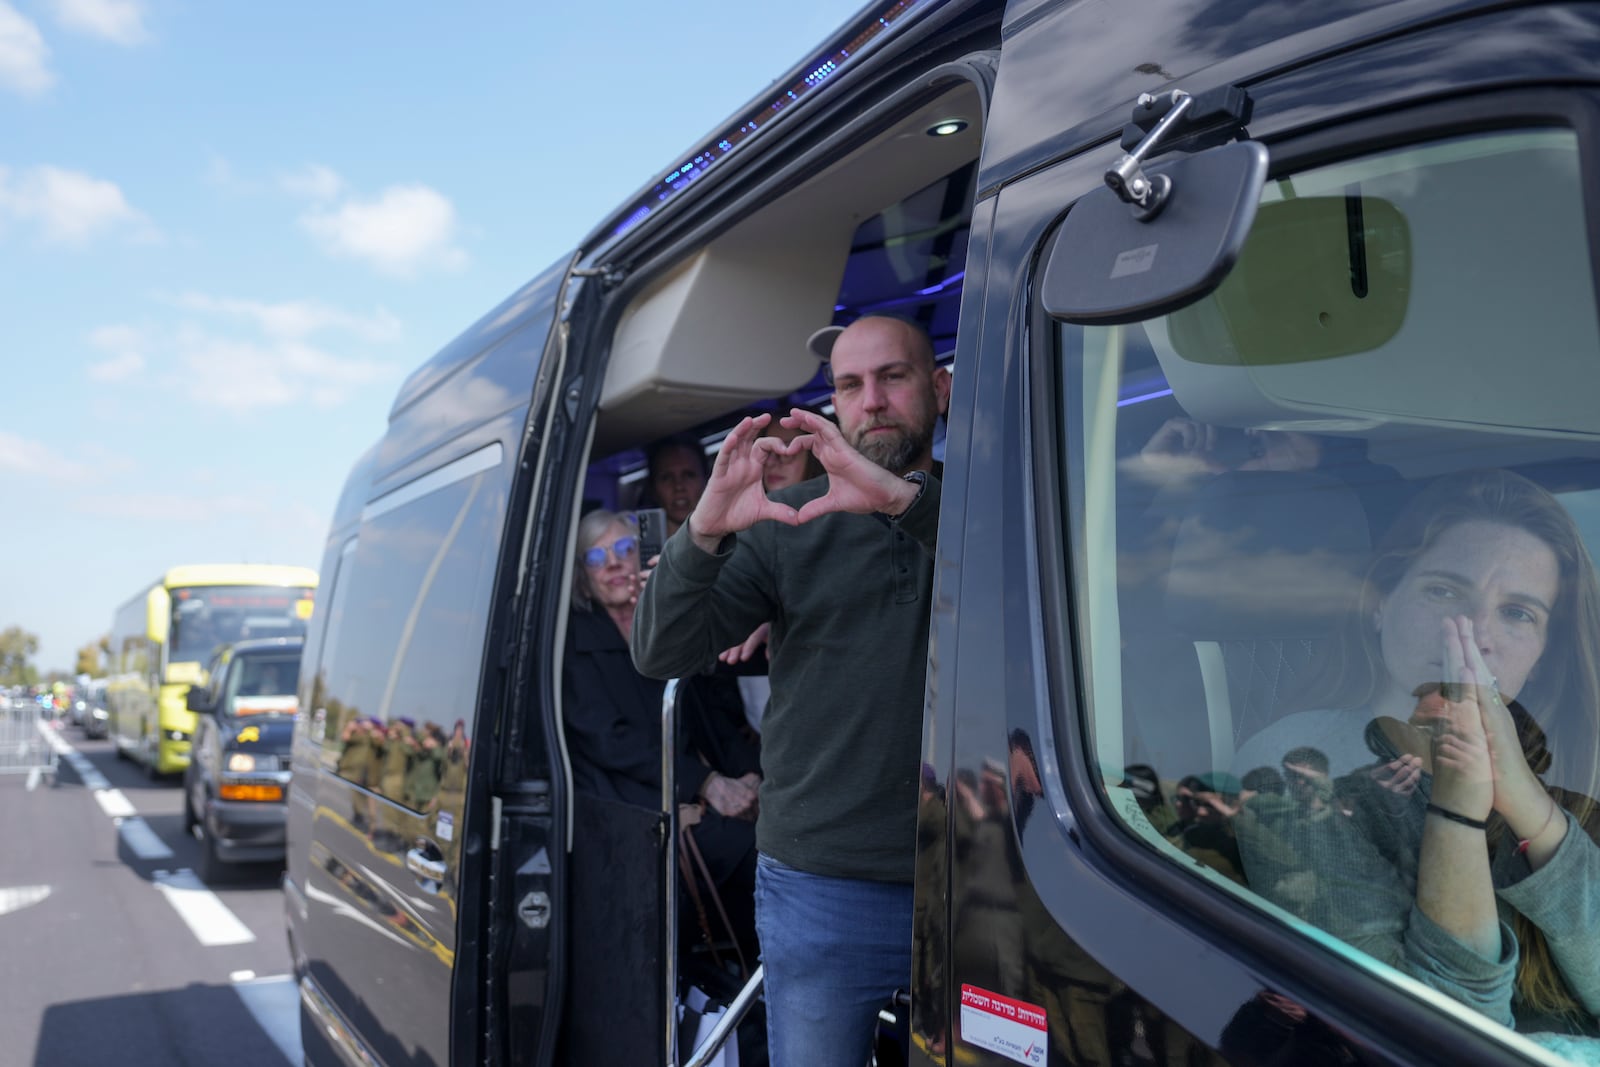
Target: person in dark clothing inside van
[842,567]
[613,726]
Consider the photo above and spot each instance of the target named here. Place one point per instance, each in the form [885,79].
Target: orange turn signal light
[251,792]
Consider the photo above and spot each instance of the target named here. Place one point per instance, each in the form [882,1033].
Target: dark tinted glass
[400,688]
[1333,529]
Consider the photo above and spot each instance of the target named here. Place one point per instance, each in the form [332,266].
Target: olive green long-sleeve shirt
[848,597]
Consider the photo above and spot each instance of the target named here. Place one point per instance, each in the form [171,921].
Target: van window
[401,690]
[322,640]
[262,675]
[1332,531]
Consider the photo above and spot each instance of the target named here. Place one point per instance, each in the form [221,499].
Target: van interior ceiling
[721,333]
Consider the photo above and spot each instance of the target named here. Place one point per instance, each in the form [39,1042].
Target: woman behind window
[1462,849]
[613,723]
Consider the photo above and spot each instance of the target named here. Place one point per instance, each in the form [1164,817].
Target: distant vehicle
[93,714]
[161,639]
[238,775]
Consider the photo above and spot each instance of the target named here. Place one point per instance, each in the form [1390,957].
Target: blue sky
[229,230]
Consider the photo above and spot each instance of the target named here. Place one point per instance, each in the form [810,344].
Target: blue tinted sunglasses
[623,548]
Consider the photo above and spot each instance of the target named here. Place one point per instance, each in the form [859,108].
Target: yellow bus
[162,639]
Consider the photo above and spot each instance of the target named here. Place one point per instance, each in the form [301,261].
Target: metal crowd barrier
[25,746]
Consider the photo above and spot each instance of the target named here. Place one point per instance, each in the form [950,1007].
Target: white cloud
[291,520]
[124,347]
[163,507]
[244,375]
[117,21]
[297,319]
[236,355]
[313,182]
[67,205]
[108,459]
[405,228]
[117,368]
[219,172]
[24,57]
[19,455]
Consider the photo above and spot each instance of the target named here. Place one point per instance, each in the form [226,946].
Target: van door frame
[590,315]
[491,940]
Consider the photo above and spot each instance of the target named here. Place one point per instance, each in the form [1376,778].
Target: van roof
[239,574]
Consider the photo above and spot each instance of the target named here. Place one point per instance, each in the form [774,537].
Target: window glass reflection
[400,690]
[1334,530]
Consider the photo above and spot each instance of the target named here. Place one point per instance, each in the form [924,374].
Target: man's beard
[894,451]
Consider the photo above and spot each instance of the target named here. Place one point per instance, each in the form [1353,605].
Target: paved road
[115,952]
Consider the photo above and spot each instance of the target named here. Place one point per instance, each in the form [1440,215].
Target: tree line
[18,647]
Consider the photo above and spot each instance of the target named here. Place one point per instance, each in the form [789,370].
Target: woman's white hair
[590,527]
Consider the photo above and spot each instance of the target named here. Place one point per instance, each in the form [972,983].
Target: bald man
[842,566]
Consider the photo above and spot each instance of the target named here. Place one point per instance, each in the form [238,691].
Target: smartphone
[652,533]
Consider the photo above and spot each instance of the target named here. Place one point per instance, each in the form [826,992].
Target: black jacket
[613,727]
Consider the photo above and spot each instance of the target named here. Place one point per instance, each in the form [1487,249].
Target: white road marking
[200,909]
[204,912]
[52,737]
[275,1004]
[18,897]
[241,976]
[91,778]
[114,804]
[111,800]
[141,840]
[49,731]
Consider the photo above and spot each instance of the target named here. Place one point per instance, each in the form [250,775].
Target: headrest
[1267,554]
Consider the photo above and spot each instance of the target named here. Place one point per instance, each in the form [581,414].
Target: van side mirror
[1115,262]
[199,700]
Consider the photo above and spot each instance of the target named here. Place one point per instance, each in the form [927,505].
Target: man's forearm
[671,623]
[707,543]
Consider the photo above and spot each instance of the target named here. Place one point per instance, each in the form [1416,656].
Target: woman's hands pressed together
[1452,716]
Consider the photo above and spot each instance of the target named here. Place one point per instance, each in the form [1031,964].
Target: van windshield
[263,684]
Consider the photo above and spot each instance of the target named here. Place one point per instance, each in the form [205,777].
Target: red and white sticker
[1014,1028]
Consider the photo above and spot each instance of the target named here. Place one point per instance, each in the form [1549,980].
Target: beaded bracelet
[1456,816]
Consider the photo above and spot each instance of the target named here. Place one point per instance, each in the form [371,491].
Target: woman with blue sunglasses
[613,722]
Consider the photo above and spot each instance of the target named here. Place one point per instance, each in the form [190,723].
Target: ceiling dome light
[947,127]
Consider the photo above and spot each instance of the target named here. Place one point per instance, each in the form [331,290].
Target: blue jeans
[835,950]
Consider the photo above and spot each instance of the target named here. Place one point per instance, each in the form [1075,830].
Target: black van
[1246,305]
